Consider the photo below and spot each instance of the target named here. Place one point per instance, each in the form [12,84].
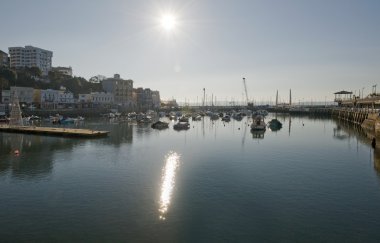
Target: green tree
[9,77]
[35,71]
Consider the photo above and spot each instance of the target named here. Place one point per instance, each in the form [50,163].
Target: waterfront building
[156,101]
[84,98]
[30,56]
[65,97]
[146,98]
[121,89]
[64,70]
[95,98]
[5,96]
[24,94]
[37,97]
[49,98]
[4,59]
[102,98]
[3,109]
[138,95]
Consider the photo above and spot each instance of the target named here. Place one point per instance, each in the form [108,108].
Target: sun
[168,22]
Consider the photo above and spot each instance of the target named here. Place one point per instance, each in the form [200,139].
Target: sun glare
[168,22]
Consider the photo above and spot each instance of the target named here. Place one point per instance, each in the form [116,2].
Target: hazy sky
[312,47]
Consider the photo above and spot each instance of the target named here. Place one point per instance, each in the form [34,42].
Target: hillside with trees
[31,77]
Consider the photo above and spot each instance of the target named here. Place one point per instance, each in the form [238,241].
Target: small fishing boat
[226,118]
[67,120]
[275,125]
[181,126]
[237,116]
[144,119]
[34,118]
[258,124]
[160,125]
[214,116]
[184,119]
[196,117]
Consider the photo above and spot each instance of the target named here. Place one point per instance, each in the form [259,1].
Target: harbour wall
[368,119]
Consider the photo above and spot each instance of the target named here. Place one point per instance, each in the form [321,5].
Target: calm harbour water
[216,182]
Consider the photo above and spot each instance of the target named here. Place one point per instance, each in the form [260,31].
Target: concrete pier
[356,116]
[52,131]
[368,119]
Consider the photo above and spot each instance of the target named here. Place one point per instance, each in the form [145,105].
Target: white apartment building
[30,56]
[102,98]
[49,96]
[65,97]
[24,94]
[84,98]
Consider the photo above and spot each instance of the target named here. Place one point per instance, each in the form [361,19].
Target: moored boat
[258,124]
[67,120]
[214,116]
[237,116]
[184,119]
[160,125]
[226,118]
[181,126]
[196,117]
[275,125]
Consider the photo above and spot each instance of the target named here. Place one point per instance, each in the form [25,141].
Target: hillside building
[4,59]
[30,56]
[68,71]
[121,89]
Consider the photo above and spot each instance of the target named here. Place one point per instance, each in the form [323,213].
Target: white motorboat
[258,124]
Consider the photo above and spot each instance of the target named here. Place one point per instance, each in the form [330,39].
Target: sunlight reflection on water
[168,182]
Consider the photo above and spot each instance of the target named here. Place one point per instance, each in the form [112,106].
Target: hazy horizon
[312,47]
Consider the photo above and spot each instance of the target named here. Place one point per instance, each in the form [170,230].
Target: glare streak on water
[168,182]
[315,180]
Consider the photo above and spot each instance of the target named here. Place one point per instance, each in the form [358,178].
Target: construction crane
[249,104]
